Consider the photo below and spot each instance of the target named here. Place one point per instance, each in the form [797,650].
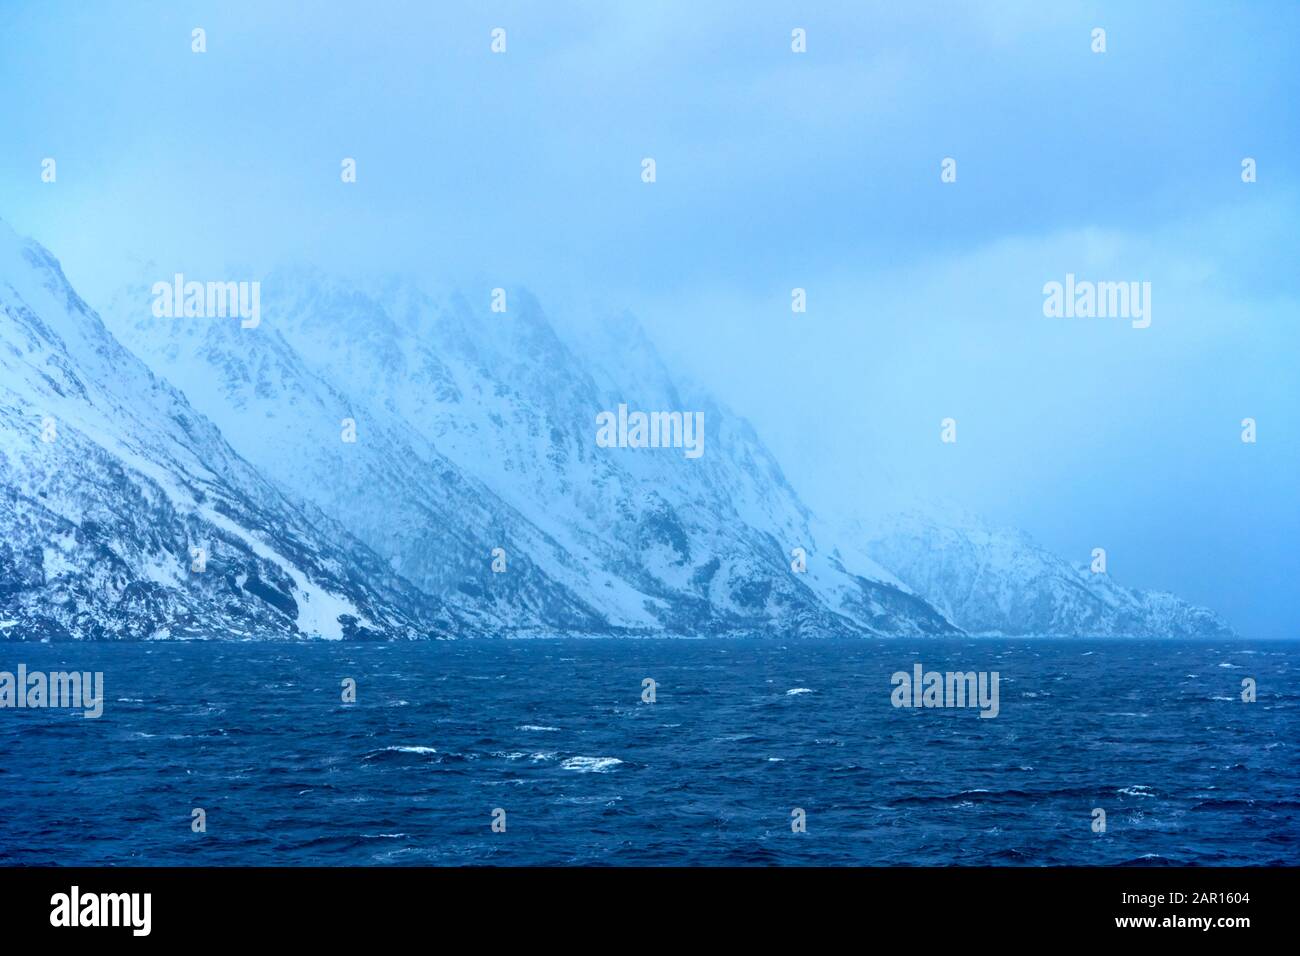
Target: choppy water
[555,733]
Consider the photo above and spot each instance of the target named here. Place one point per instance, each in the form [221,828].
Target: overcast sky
[774,170]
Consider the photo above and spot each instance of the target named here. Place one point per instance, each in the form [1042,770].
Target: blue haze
[774,171]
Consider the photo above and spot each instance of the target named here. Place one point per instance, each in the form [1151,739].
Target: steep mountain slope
[704,542]
[993,580]
[434,524]
[643,539]
[109,482]
[476,430]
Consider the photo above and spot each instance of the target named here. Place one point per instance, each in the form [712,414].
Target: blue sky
[775,170]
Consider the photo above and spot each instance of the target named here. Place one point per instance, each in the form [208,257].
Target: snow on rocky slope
[998,581]
[490,419]
[111,483]
[474,500]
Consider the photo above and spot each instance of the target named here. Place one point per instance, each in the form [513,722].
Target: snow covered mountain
[374,462]
[476,430]
[124,513]
[998,581]
[338,452]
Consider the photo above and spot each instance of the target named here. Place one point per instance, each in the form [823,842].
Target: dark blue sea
[555,733]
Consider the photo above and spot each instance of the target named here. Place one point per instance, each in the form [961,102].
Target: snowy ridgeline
[372,463]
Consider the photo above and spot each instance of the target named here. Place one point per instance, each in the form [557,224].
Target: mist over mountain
[475,431]
[375,460]
[998,581]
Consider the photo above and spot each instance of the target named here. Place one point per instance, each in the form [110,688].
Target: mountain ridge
[473,498]
[125,514]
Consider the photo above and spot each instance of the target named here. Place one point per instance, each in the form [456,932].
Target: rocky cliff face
[111,485]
